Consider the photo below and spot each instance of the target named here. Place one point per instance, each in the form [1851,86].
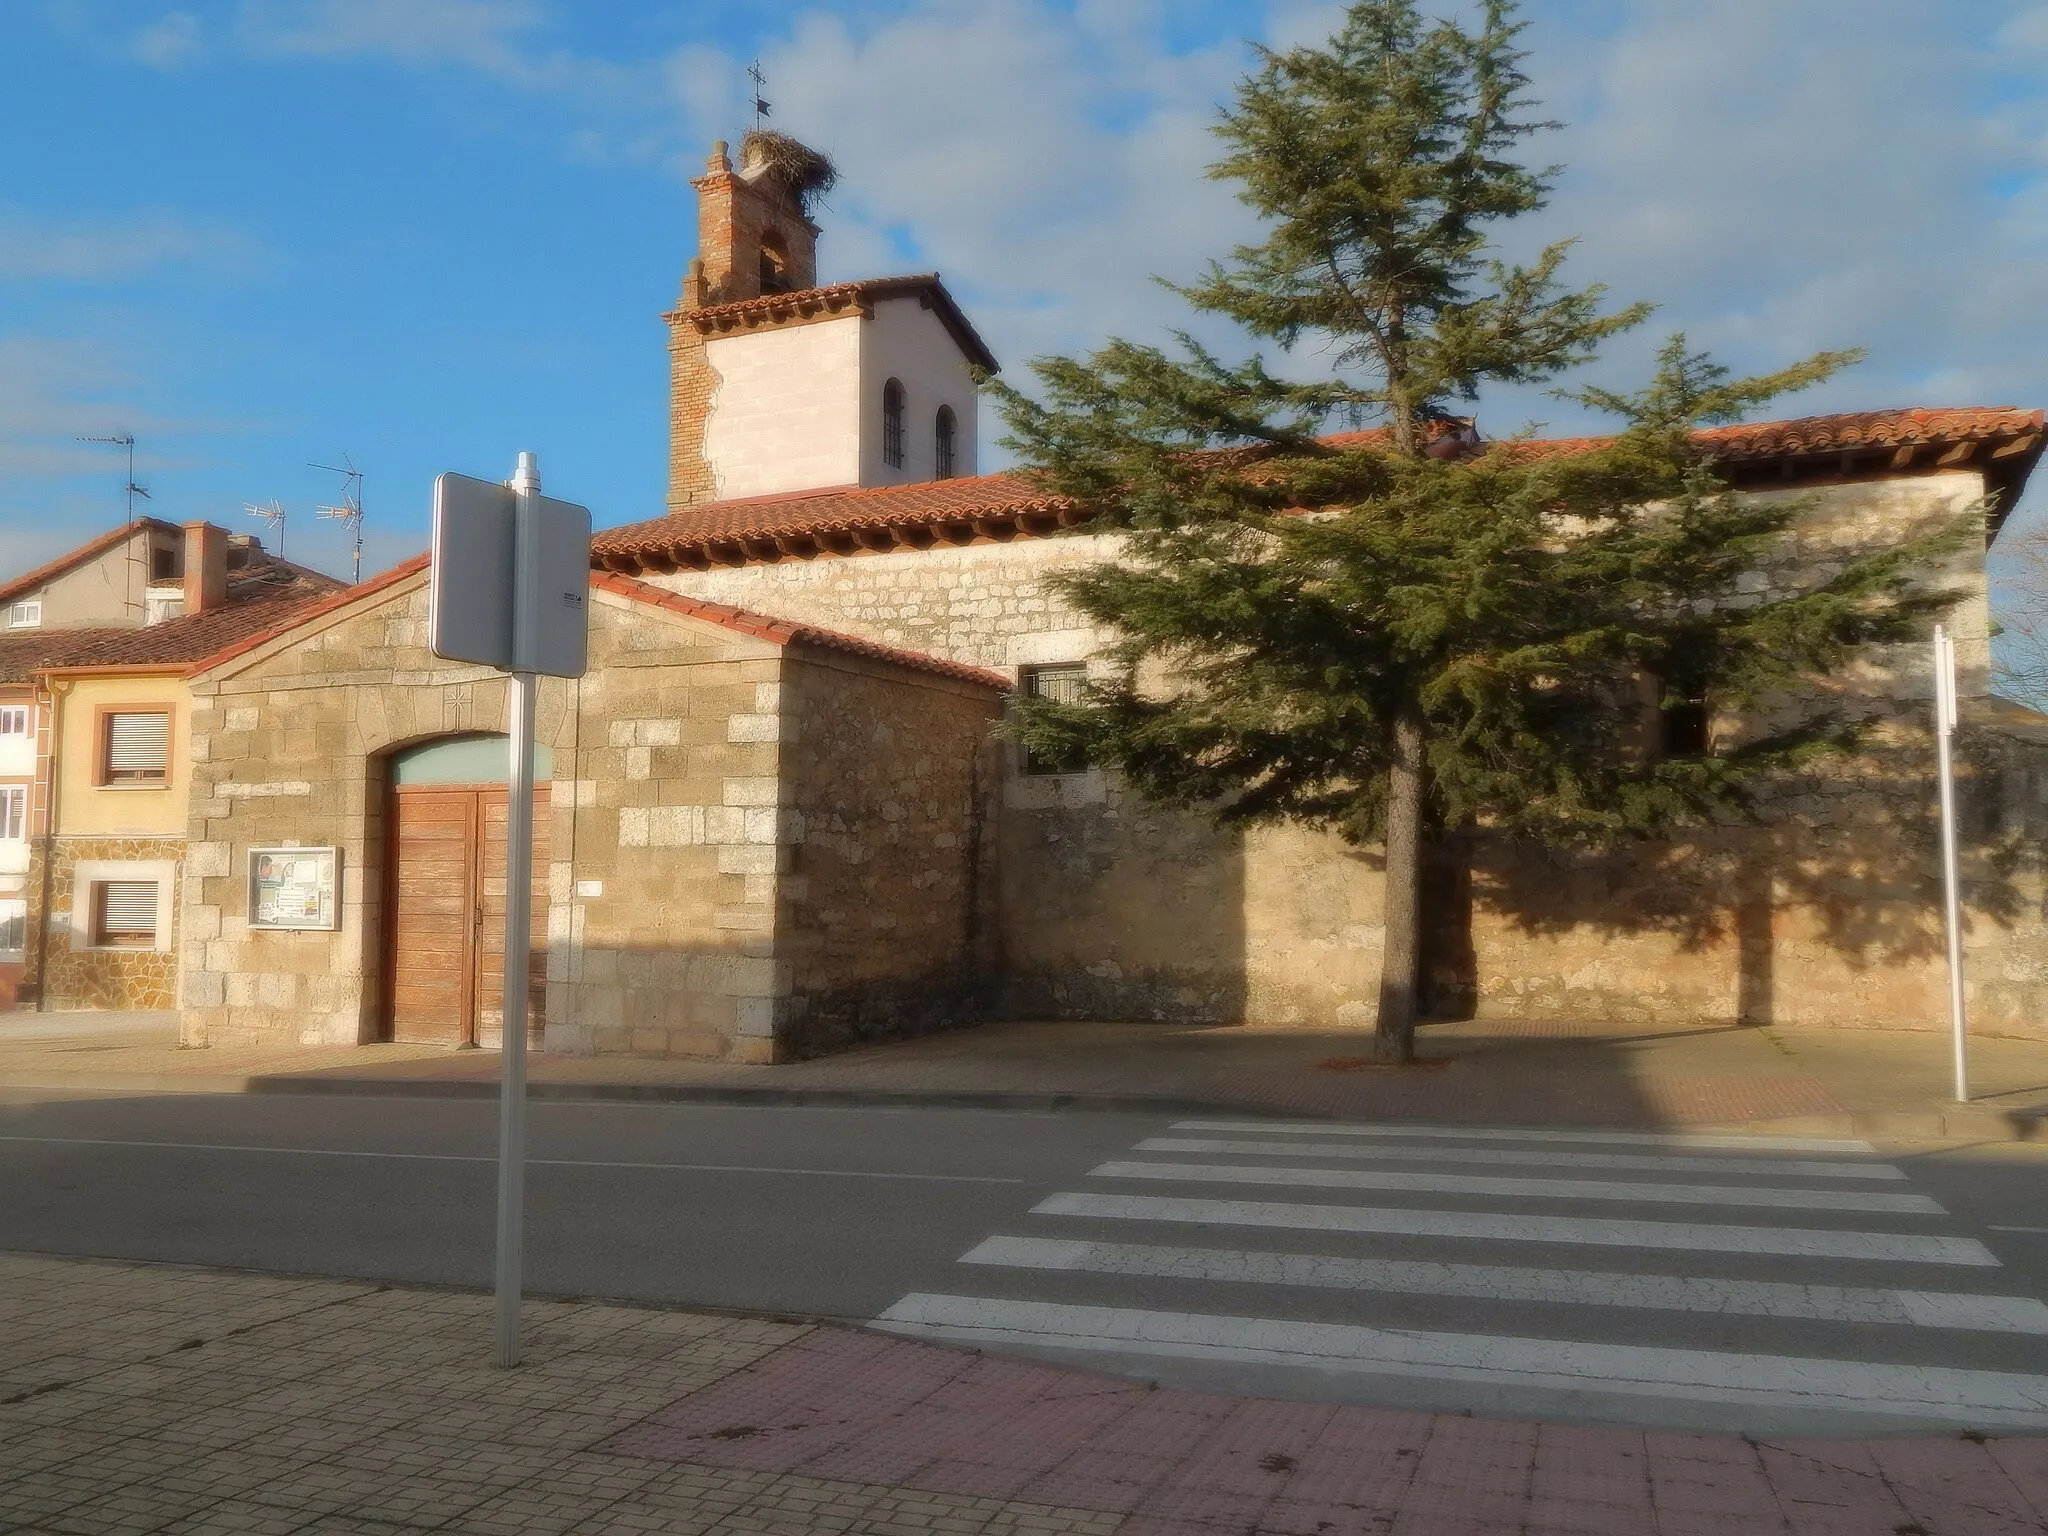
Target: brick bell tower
[753,240]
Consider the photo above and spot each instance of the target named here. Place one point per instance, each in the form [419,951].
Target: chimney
[206,568]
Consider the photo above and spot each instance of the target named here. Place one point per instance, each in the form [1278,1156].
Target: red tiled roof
[279,620]
[91,548]
[847,520]
[849,510]
[786,632]
[25,654]
[838,298]
[306,612]
[194,637]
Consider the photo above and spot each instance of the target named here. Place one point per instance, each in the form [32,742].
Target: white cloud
[1047,161]
[172,41]
[480,34]
[495,38]
[34,248]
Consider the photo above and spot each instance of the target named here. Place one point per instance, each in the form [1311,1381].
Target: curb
[1962,1123]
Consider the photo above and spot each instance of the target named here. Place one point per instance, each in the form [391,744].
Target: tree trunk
[1401,956]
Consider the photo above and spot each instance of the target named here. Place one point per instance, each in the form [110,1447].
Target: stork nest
[807,174]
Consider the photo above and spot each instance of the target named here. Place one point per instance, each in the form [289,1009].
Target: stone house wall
[73,973]
[1113,908]
[670,830]
[891,785]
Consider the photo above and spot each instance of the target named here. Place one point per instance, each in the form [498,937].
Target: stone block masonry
[677,903]
[1111,908]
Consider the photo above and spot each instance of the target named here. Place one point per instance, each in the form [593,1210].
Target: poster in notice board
[294,887]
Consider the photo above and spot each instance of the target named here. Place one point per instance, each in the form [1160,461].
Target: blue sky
[430,233]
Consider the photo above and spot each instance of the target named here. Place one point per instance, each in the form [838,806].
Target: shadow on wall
[1827,910]
[1113,908]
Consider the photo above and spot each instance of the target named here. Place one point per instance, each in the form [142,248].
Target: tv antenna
[272,513]
[760,84]
[125,440]
[350,513]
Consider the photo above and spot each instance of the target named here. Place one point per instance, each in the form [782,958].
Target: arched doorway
[445,933]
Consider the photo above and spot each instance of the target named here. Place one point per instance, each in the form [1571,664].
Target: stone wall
[1113,908]
[888,903]
[669,925]
[75,975]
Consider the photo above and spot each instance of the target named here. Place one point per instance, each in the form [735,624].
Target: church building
[778,819]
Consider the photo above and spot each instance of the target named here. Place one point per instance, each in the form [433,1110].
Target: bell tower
[754,240]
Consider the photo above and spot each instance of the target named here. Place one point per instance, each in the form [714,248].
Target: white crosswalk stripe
[1698,1139]
[1546,1189]
[1820,1319]
[1502,1282]
[1381,1152]
[1603,1231]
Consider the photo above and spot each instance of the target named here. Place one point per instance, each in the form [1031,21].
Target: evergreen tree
[1395,633]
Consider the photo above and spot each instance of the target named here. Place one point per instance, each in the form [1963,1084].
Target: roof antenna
[272,513]
[125,440]
[760,103]
[350,513]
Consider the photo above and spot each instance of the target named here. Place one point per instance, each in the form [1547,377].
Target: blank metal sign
[471,583]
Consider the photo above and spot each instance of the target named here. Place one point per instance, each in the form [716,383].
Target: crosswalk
[1755,1284]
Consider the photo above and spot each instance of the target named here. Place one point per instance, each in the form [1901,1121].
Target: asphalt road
[1767,1287]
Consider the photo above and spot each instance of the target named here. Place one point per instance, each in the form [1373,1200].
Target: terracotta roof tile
[195,637]
[844,509]
[787,632]
[835,298]
[282,620]
[23,655]
[842,519]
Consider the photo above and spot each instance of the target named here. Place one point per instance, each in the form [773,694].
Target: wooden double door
[446,956]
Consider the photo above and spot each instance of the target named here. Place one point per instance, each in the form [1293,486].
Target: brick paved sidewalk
[1814,1081]
[141,1399]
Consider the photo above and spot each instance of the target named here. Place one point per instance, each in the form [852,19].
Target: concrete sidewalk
[137,1399]
[1805,1081]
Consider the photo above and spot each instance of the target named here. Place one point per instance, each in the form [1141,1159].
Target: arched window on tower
[774,264]
[945,433]
[892,424]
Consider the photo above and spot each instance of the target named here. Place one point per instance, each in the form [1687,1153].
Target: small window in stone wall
[1061,684]
[124,914]
[892,424]
[1687,729]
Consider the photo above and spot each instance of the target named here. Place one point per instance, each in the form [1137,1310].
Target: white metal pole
[1945,716]
[518,917]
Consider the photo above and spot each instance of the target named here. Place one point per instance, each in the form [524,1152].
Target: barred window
[892,424]
[945,433]
[1062,684]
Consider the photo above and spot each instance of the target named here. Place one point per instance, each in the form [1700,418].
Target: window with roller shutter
[135,747]
[124,914]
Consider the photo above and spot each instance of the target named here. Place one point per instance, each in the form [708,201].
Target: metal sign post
[1944,727]
[509,588]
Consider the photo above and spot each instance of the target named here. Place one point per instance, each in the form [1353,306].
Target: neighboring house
[777,822]
[102,767]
